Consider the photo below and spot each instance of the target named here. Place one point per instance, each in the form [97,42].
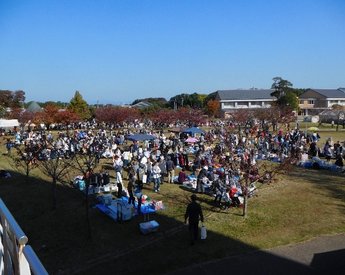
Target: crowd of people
[216,162]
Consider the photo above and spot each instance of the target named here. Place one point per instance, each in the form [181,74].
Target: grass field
[297,206]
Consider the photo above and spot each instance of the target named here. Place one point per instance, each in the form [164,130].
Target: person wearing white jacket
[118,163]
[156,174]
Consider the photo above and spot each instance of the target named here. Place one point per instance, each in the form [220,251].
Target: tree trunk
[27,172]
[88,224]
[245,202]
[54,193]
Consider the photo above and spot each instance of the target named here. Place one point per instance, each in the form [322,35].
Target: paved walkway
[322,255]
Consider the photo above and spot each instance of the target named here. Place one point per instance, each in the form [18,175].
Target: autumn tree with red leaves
[66,117]
[213,107]
[191,116]
[163,117]
[47,116]
[52,114]
[117,115]
[242,118]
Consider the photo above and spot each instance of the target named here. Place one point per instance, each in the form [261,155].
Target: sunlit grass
[297,206]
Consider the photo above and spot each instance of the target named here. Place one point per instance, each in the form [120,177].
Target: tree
[48,116]
[79,106]
[195,101]
[59,104]
[118,115]
[26,117]
[53,114]
[291,100]
[148,111]
[265,169]
[280,86]
[86,164]
[12,99]
[179,101]
[14,113]
[2,111]
[6,98]
[339,111]
[66,117]
[163,117]
[25,159]
[275,115]
[18,99]
[213,107]
[285,94]
[263,115]
[189,116]
[56,168]
[242,117]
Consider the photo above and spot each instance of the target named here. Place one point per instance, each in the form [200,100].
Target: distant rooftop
[141,105]
[245,94]
[34,107]
[331,93]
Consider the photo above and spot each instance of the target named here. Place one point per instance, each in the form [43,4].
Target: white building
[231,100]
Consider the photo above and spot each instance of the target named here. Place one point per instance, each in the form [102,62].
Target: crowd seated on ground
[216,161]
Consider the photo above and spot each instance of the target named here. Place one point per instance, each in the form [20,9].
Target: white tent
[9,123]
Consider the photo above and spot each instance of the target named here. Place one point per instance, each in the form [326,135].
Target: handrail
[20,257]
[35,264]
[19,233]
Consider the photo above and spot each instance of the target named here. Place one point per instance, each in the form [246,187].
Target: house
[314,101]
[231,100]
[142,105]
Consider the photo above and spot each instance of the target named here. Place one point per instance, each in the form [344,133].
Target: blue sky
[118,51]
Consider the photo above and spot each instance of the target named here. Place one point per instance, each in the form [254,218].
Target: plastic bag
[203,233]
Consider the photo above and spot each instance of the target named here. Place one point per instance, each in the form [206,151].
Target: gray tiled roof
[331,93]
[34,107]
[142,104]
[245,94]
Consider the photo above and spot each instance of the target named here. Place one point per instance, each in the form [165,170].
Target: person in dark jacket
[130,186]
[170,166]
[182,177]
[193,214]
[199,183]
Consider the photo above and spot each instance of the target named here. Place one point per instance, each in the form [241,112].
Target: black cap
[193,197]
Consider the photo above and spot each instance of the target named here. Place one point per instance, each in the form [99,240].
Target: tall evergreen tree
[285,94]
[79,106]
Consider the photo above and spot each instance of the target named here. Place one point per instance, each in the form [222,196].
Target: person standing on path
[193,214]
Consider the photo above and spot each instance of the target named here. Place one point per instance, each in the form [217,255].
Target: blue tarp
[140,137]
[82,135]
[193,130]
[111,210]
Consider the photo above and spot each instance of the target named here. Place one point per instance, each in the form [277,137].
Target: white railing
[16,258]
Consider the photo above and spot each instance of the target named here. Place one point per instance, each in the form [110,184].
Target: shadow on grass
[59,237]
[332,182]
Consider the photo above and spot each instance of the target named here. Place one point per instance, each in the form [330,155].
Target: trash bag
[203,233]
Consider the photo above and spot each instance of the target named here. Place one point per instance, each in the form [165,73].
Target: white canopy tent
[9,123]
